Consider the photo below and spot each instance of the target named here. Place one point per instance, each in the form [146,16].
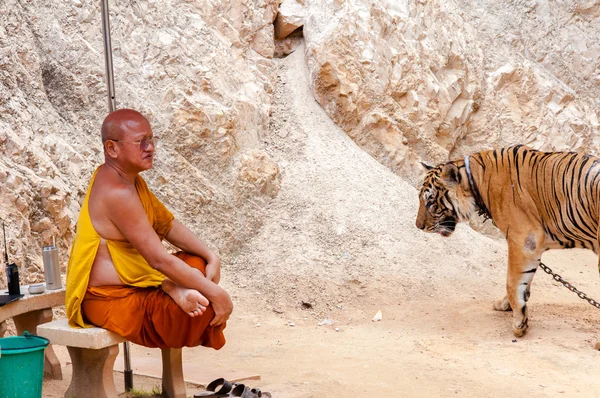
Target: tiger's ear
[427,167]
[450,173]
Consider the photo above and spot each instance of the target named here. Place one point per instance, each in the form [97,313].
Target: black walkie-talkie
[12,271]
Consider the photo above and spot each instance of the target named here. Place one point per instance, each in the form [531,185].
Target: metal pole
[127,372]
[110,81]
[112,106]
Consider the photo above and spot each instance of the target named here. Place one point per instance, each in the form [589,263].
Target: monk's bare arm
[129,217]
[180,236]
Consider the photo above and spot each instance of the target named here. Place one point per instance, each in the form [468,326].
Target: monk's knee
[192,260]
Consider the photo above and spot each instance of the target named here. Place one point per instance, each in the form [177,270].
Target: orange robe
[149,317]
[139,311]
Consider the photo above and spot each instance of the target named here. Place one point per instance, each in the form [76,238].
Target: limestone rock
[287,46]
[263,42]
[257,170]
[289,18]
[412,81]
[409,81]
[200,71]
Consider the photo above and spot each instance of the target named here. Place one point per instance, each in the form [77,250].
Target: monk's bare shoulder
[109,193]
[109,188]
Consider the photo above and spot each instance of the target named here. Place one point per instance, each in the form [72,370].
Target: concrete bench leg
[3,328]
[30,321]
[92,372]
[172,375]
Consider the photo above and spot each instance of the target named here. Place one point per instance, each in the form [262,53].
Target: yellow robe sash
[131,267]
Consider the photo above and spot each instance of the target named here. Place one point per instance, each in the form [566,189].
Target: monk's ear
[450,174]
[427,167]
[110,148]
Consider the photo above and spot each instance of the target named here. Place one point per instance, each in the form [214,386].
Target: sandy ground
[339,244]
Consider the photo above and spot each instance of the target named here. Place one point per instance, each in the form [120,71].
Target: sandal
[224,391]
[238,390]
[255,393]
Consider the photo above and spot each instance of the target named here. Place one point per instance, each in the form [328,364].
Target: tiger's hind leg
[523,260]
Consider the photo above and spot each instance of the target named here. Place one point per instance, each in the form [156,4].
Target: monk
[120,276]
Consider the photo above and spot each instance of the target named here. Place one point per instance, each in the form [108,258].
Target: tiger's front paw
[502,305]
[519,328]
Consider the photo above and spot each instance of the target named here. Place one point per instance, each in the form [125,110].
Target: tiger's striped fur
[539,200]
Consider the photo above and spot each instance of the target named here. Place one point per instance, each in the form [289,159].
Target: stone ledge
[60,333]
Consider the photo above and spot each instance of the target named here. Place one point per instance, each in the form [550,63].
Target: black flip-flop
[224,391]
[238,390]
[254,393]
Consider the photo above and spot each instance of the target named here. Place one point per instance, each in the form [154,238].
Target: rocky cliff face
[433,80]
[200,71]
[409,81]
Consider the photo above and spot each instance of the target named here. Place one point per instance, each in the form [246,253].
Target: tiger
[538,200]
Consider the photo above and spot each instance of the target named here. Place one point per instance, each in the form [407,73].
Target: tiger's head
[445,199]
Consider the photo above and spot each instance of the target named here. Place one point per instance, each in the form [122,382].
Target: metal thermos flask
[51,267]
[12,278]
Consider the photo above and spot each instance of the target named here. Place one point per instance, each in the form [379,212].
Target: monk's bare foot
[190,300]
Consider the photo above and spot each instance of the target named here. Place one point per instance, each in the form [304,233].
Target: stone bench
[93,352]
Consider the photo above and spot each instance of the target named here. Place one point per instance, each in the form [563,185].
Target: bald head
[121,122]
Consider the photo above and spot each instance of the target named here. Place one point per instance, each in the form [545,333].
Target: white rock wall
[408,80]
[433,80]
[196,69]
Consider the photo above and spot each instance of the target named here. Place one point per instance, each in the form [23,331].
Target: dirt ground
[339,244]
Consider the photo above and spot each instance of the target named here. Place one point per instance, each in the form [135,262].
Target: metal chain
[566,284]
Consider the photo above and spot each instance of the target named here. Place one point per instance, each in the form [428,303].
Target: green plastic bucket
[22,366]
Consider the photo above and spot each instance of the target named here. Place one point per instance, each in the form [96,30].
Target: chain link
[566,284]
